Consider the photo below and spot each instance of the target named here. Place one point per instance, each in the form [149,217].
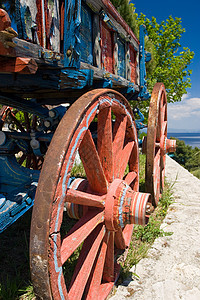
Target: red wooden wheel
[106,203]
[157,144]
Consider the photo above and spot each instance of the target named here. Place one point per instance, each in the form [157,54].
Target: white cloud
[185,114]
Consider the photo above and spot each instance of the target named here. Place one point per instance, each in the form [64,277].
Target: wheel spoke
[119,134]
[14,119]
[123,159]
[127,233]
[104,142]
[82,198]
[92,164]
[85,262]
[119,239]
[94,282]
[162,112]
[79,233]
[164,126]
[157,175]
[22,159]
[118,140]
[130,177]
[108,272]
[27,121]
[157,158]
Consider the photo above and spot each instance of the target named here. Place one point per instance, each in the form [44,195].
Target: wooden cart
[67,69]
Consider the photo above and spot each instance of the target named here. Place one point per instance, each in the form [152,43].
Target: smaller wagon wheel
[101,208]
[9,115]
[156,144]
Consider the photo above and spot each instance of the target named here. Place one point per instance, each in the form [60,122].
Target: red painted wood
[94,283]
[123,159]
[108,273]
[112,10]
[18,65]
[106,48]
[92,164]
[69,138]
[133,64]
[119,239]
[127,232]
[6,34]
[79,233]
[104,142]
[40,19]
[62,19]
[85,263]
[5,21]
[82,198]
[130,177]
[119,137]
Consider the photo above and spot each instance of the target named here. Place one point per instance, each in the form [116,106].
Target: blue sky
[185,114]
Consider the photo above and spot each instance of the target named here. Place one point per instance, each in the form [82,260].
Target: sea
[192,139]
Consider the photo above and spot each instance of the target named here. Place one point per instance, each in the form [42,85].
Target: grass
[196,173]
[15,281]
[144,236]
[14,261]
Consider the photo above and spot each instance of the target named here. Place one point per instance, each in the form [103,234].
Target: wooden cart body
[67,68]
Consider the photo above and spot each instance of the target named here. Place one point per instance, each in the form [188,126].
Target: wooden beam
[5,21]
[19,65]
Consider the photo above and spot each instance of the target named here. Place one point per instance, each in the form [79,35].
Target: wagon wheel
[156,144]
[8,115]
[106,203]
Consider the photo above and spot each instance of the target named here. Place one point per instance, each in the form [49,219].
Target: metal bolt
[47,123]
[69,52]
[2,138]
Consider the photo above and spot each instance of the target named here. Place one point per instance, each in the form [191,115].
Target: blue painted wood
[13,176]
[77,79]
[15,204]
[72,33]
[144,94]
[104,83]
[86,35]
[26,12]
[121,58]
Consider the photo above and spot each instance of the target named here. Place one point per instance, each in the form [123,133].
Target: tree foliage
[172,60]
[127,11]
[188,157]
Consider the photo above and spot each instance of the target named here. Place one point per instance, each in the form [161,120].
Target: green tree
[127,11]
[183,152]
[193,162]
[171,59]
[188,157]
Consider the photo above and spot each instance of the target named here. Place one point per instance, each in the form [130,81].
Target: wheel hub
[167,145]
[124,206]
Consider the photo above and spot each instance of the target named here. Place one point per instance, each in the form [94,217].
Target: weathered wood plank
[99,74]
[19,65]
[72,33]
[96,42]
[106,48]
[86,35]
[122,28]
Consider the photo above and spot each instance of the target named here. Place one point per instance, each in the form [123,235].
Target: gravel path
[172,269]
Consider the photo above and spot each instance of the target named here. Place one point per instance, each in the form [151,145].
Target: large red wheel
[157,144]
[106,203]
